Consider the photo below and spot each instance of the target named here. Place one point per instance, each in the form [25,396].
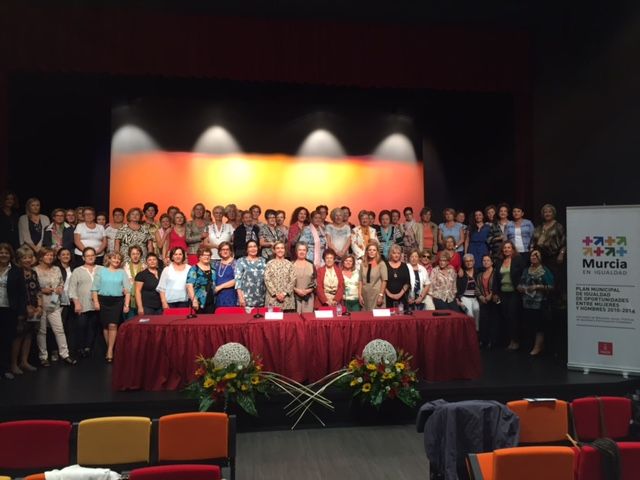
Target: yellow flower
[371,366]
[244,387]
[366,387]
[230,375]
[208,382]
[399,366]
[353,383]
[255,379]
[388,375]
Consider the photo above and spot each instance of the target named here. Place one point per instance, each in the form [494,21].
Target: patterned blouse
[270,235]
[202,281]
[49,278]
[250,279]
[359,240]
[443,284]
[308,238]
[280,277]
[129,237]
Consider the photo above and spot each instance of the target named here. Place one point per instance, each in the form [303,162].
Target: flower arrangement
[236,375]
[381,373]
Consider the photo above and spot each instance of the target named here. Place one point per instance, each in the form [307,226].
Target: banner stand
[603,289]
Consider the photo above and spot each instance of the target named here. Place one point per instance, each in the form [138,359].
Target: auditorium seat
[35,476]
[197,436]
[34,445]
[523,463]
[177,472]
[108,441]
[589,414]
[541,422]
[176,311]
[589,462]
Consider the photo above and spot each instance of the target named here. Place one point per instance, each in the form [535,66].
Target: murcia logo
[604,252]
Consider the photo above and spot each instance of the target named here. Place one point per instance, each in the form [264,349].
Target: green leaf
[248,405]
[205,403]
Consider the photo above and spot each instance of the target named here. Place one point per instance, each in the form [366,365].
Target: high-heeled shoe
[109,359]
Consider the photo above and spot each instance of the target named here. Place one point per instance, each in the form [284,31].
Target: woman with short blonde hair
[109,283]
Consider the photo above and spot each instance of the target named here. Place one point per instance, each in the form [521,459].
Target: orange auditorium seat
[541,422]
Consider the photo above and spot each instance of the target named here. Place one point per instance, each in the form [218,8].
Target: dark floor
[85,390]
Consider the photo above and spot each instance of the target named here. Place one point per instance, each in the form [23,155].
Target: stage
[86,390]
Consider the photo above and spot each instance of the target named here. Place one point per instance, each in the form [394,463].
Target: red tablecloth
[160,354]
[443,347]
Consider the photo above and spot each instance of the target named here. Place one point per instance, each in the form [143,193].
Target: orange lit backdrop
[271,181]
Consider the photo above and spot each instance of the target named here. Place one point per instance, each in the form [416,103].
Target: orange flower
[199,372]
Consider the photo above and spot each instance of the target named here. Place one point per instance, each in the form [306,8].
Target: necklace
[222,270]
[217,234]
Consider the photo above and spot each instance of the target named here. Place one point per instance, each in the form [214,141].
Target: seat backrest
[34,444]
[193,436]
[629,460]
[233,310]
[177,472]
[176,311]
[617,416]
[589,462]
[114,441]
[589,412]
[586,418]
[534,463]
[35,476]
[541,422]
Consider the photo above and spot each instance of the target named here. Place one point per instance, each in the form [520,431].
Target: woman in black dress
[398,283]
[147,297]
[9,220]
[27,325]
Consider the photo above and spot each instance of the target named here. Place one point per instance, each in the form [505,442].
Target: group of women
[77,273]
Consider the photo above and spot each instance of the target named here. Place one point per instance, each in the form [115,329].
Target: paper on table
[323,313]
[381,312]
[273,315]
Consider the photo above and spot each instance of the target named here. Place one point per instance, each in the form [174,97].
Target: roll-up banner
[603,282]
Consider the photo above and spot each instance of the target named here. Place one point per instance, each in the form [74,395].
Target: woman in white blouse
[338,234]
[351,277]
[217,232]
[89,234]
[419,298]
[172,285]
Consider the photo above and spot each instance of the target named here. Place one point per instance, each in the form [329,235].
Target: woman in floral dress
[250,277]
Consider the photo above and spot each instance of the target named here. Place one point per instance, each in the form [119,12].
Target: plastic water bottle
[339,310]
[400,308]
[270,309]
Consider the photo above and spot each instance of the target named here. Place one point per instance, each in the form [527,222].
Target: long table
[160,354]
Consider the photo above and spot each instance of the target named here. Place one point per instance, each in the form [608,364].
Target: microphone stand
[192,312]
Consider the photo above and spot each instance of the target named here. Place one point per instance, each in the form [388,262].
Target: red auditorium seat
[589,462]
[34,444]
[587,417]
[177,472]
